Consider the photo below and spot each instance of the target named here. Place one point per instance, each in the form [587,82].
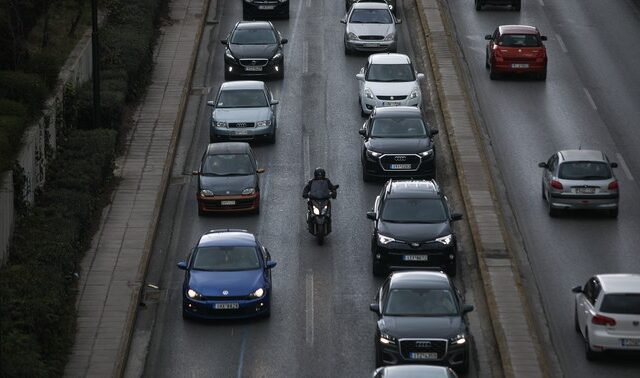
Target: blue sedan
[228,276]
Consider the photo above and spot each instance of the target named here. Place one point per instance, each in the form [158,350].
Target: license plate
[400,166]
[630,342]
[266,7]
[241,132]
[519,65]
[415,257]
[372,45]
[423,356]
[253,68]
[227,306]
[227,203]
[586,190]
[391,103]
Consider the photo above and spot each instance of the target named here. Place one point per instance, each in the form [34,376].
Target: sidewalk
[113,270]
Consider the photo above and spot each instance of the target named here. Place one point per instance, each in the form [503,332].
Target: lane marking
[541,3]
[624,166]
[308,3]
[561,43]
[593,103]
[242,348]
[309,329]
[305,57]
[307,163]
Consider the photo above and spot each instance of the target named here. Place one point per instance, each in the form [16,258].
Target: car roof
[419,279]
[242,84]
[582,155]
[397,111]
[228,148]
[413,189]
[517,29]
[227,237]
[369,5]
[255,25]
[620,283]
[389,58]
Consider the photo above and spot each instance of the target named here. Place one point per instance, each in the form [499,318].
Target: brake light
[555,184]
[613,185]
[603,320]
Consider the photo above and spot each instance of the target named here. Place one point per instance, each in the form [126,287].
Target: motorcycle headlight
[446,240]
[414,93]
[206,193]
[428,152]
[368,94]
[219,124]
[278,56]
[352,36]
[459,339]
[248,191]
[318,211]
[193,294]
[390,37]
[228,54]
[263,123]
[385,239]
[373,154]
[257,294]
[385,338]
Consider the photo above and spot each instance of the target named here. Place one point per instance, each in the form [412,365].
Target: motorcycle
[319,217]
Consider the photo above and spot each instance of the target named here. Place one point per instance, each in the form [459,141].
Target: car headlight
[257,294]
[263,123]
[278,56]
[446,240]
[459,339]
[385,239]
[385,338]
[229,55]
[373,154]
[219,124]
[414,93]
[206,193]
[282,1]
[390,37]
[193,294]
[352,36]
[248,191]
[248,1]
[368,94]
[428,152]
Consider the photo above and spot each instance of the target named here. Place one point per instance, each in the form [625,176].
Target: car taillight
[603,320]
[555,184]
[613,185]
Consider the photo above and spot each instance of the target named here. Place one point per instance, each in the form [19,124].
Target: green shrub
[14,108]
[23,87]
[11,129]
[46,65]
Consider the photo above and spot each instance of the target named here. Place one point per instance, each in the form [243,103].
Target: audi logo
[241,124]
[423,344]
[400,158]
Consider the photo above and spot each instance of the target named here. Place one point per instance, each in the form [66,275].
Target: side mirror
[614,165]
[182,265]
[260,170]
[577,289]
[420,76]
[224,42]
[398,21]
[275,102]
[344,20]
[195,173]
[467,308]
[360,76]
[543,37]
[271,264]
[284,41]
[456,216]
[375,308]
[211,103]
[371,215]
[336,186]
[362,132]
[433,132]
[543,165]
[488,37]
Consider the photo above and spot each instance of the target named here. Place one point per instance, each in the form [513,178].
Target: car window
[628,304]
[227,165]
[390,73]
[253,37]
[519,40]
[414,210]
[370,16]
[584,170]
[420,302]
[225,258]
[398,128]
[242,98]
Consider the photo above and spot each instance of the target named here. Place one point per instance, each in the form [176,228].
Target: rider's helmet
[319,173]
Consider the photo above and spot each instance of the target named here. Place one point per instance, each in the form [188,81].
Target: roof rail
[226,230]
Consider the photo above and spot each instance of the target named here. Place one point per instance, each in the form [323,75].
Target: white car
[388,80]
[607,313]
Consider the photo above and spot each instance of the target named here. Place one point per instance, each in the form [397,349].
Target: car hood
[442,327]
[414,232]
[227,185]
[371,29]
[402,88]
[253,51]
[237,283]
[399,145]
[241,114]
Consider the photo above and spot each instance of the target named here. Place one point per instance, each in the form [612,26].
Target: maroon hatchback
[516,49]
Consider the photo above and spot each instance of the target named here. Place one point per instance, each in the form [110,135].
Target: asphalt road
[320,323]
[590,99]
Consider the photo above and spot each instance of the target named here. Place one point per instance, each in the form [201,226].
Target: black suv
[254,8]
[421,320]
[413,228]
[515,4]
[397,143]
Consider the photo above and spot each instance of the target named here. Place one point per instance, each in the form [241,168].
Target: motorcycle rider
[318,188]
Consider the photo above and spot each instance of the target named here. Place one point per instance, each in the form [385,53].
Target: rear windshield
[584,170]
[519,40]
[621,304]
[370,16]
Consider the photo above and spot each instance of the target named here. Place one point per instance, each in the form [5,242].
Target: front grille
[371,37]
[265,2]
[423,346]
[395,98]
[254,62]
[388,161]
[225,298]
[241,125]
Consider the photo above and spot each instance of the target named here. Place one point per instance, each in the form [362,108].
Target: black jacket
[319,189]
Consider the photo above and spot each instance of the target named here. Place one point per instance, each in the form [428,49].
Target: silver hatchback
[580,179]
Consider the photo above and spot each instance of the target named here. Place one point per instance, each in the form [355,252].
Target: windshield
[398,128]
[621,304]
[414,210]
[421,302]
[370,16]
[227,165]
[519,40]
[242,98]
[226,258]
[253,37]
[584,170]
[390,73]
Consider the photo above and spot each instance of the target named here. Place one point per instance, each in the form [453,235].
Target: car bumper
[508,67]
[602,340]
[234,69]
[396,256]
[426,169]
[368,104]
[454,357]
[371,46]
[267,8]
[571,202]
[217,134]
[206,309]
[222,204]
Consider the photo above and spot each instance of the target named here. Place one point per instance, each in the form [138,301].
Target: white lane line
[561,43]
[242,348]
[593,103]
[308,3]
[309,331]
[307,163]
[305,57]
[541,3]
[624,166]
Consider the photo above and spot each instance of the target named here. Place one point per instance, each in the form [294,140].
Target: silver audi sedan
[580,179]
[371,27]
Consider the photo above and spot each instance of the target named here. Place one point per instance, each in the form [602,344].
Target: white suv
[607,313]
[388,80]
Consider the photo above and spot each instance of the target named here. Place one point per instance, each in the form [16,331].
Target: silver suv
[580,179]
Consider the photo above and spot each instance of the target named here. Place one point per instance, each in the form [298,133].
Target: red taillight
[555,184]
[603,320]
[613,185]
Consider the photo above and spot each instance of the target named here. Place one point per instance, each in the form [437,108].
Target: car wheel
[280,75]
[486,59]
[478,5]
[363,114]
[576,323]
[493,75]
[552,212]
[200,212]
[379,361]
[272,138]
[464,368]
[613,213]
[542,76]
[186,315]
[589,353]
[516,5]
[227,75]
[365,176]
[378,270]
[544,195]
[347,51]
[450,269]
[287,13]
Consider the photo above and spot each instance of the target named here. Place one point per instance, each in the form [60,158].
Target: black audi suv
[413,228]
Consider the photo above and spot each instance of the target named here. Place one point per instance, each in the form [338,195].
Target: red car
[516,49]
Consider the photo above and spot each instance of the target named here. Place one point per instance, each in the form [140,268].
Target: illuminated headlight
[206,193]
[228,54]
[390,7]
[414,93]
[387,339]
[446,240]
[368,94]
[373,154]
[385,239]
[278,56]
[390,37]
[282,1]
[219,124]
[248,191]
[263,123]
[248,1]
[459,339]
[352,36]
[257,294]
[318,211]
[193,294]
[428,152]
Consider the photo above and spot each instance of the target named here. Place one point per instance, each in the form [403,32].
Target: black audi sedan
[421,320]
[253,48]
[413,228]
[398,142]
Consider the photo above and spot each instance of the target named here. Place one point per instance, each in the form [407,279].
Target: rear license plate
[630,342]
[423,356]
[227,306]
[586,190]
[415,257]
[253,68]
[266,7]
[391,103]
[227,203]
[519,65]
[400,166]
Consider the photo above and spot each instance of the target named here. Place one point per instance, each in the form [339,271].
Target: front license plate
[227,306]
[415,257]
[400,166]
[519,65]
[242,132]
[423,356]
[266,7]
[227,203]
[253,68]
[586,190]
[630,342]
[391,103]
